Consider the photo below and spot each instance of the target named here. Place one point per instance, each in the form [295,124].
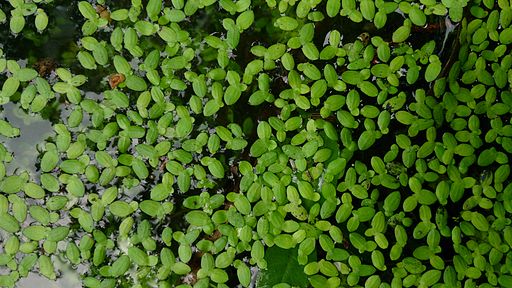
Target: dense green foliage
[301,143]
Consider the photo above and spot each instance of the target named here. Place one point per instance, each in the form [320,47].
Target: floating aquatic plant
[267,143]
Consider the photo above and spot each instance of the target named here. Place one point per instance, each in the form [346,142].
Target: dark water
[57,42]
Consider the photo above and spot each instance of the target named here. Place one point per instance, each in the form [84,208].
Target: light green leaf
[197,218]
[120,209]
[286,23]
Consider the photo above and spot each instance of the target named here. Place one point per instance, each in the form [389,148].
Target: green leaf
[145,28]
[224,259]
[7,130]
[401,34]
[244,274]
[432,71]
[352,77]
[122,66]
[417,16]
[487,157]
[367,9]
[86,222]
[87,10]
[72,166]
[430,278]
[286,23]
[366,140]
[380,19]
[87,60]
[35,232]
[219,276]
[10,87]
[211,107]
[75,186]
[405,117]
[175,63]
[180,268]
[285,241]
[150,207]
[358,241]
[215,167]
[506,36]
[17,23]
[138,256]
[120,266]
[100,54]
[333,7]
[282,267]
[25,74]
[33,190]
[3,18]
[167,34]
[378,260]
[310,51]
[119,15]
[479,36]
[12,184]
[245,20]
[197,218]
[136,83]
[464,150]
[49,160]
[104,159]
[336,167]
[120,209]
[232,94]
[184,181]
[9,223]
[153,9]
[368,88]
[479,221]
[46,267]
[58,233]
[140,169]
[56,202]
[40,214]
[359,192]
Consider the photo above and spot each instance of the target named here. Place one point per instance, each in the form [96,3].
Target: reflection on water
[35,280]
[69,280]
[33,131]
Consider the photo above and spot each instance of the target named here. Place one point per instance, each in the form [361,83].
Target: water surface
[34,130]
